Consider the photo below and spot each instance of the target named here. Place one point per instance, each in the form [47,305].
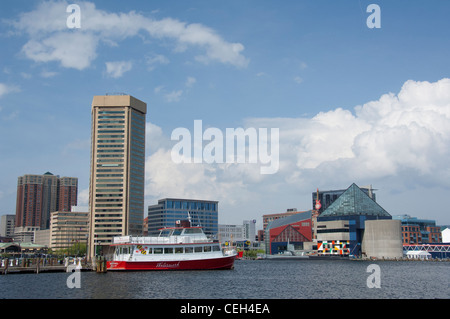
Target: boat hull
[197,264]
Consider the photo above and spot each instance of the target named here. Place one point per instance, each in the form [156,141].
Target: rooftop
[354,201]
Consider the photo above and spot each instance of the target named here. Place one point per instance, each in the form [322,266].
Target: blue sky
[353,104]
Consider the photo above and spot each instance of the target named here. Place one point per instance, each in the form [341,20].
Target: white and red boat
[178,248]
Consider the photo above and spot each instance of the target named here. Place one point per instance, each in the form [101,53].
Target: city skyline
[353,104]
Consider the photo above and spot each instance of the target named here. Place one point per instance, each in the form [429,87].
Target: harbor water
[250,279]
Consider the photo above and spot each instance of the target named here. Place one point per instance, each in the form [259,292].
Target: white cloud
[298,79]
[51,40]
[158,89]
[403,138]
[72,50]
[397,135]
[6,89]
[83,197]
[173,96]
[48,74]
[11,116]
[153,60]
[25,75]
[190,81]
[118,68]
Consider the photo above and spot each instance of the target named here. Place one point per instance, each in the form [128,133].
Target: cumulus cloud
[190,81]
[173,96]
[72,50]
[155,59]
[118,68]
[51,40]
[397,135]
[6,89]
[402,137]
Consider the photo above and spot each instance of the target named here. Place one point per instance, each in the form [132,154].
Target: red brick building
[40,195]
[288,233]
[419,231]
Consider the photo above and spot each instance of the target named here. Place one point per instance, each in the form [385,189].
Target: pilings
[38,265]
[100,265]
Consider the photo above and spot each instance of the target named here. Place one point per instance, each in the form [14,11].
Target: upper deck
[167,236]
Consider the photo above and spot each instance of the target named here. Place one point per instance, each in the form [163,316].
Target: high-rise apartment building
[39,195]
[67,193]
[116,201]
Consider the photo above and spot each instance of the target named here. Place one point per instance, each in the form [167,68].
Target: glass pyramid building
[354,202]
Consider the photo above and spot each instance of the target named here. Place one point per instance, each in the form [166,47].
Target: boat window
[165,233]
[188,250]
[206,248]
[178,250]
[216,248]
[157,250]
[198,249]
[168,250]
[177,232]
[150,250]
[193,231]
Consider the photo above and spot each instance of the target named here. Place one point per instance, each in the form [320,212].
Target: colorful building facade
[288,233]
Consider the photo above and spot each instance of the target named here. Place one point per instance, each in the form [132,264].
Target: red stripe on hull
[199,264]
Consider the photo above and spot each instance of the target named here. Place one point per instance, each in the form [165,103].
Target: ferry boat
[177,248]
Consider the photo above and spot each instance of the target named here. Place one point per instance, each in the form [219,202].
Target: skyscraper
[116,198]
[39,195]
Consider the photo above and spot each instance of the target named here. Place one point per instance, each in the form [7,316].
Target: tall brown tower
[116,189]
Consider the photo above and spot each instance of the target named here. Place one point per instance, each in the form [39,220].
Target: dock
[38,265]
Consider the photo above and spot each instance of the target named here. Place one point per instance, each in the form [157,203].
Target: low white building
[446,235]
[418,254]
[231,233]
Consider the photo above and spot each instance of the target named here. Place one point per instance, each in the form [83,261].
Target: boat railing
[168,240]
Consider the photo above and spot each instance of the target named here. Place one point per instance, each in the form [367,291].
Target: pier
[42,265]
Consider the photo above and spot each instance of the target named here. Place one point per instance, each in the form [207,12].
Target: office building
[231,233]
[116,201]
[68,229]
[7,223]
[39,195]
[168,211]
[249,230]
[25,234]
[419,231]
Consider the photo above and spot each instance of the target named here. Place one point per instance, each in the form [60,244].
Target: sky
[352,104]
